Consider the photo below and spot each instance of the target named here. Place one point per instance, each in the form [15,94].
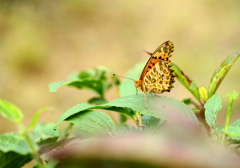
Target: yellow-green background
[44,41]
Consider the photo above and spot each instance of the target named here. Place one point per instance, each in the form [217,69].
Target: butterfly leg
[145,101]
[136,91]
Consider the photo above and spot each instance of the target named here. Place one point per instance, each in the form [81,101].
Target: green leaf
[35,118]
[92,84]
[93,122]
[10,111]
[150,121]
[55,85]
[125,128]
[98,79]
[233,131]
[221,72]
[236,123]
[83,107]
[13,159]
[13,142]
[187,101]
[156,106]
[186,81]
[124,118]
[45,134]
[218,129]
[97,100]
[212,106]
[14,151]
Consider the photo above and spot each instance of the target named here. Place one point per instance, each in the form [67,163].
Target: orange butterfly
[157,75]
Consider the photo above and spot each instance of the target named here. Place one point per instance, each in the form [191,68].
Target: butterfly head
[138,84]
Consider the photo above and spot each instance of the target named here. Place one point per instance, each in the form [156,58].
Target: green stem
[232,96]
[229,113]
[137,121]
[32,147]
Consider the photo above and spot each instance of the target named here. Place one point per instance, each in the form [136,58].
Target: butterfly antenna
[149,53]
[123,77]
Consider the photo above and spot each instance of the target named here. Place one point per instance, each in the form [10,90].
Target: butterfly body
[157,75]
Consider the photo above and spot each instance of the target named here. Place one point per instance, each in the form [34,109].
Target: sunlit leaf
[10,111]
[186,81]
[221,72]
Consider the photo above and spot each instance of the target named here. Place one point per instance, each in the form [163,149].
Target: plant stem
[31,146]
[232,96]
[229,112]
[137,121]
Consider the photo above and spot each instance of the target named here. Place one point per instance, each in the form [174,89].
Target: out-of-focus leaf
[55,85]
[150,123]
[186,81]
[221,72]
[236,123]
[10,111]
[13,159]
[233,131]
[35,118]
[13,142]
[233,95]
[142,151]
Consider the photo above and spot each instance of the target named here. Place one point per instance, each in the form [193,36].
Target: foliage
[155,128]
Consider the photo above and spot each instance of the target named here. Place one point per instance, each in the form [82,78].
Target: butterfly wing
[159,79]
[162,53]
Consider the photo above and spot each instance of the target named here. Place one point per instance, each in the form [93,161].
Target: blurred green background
[44,41]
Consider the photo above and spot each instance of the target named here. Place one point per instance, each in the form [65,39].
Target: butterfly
[157,75]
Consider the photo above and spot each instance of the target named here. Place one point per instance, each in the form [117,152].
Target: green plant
[18,148]
[95,136]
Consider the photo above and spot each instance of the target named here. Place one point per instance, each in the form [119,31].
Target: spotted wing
[162,53]
[159,79]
